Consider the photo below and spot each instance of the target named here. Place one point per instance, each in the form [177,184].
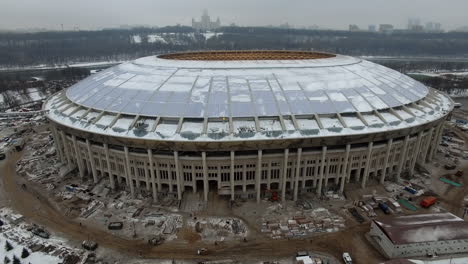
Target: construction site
[67,198]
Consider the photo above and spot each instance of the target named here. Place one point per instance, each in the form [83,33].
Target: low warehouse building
[420,235]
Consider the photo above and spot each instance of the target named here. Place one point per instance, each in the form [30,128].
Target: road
[34,205]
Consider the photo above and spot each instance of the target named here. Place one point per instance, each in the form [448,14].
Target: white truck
[347,258]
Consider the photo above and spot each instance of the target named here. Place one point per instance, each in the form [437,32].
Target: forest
[62,48]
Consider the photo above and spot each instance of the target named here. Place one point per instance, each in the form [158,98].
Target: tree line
[52,48]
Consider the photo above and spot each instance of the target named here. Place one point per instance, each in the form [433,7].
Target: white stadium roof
[177,99]
[159,87]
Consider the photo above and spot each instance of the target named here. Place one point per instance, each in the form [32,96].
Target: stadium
[244,123]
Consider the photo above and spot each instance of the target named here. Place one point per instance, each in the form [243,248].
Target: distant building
[413,23]
[206,23]
[372,28]
[353,27]
[420,235]
[386,28]
[433,27]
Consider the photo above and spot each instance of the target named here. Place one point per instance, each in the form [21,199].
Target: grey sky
[91,14]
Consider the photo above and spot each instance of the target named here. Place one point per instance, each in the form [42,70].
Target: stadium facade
[242,122]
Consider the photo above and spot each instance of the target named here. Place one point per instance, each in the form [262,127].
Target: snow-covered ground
[439,73]
[209,35]
[61,66]
[21,97]
[20,239]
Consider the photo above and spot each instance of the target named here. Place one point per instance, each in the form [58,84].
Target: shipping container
[428,201]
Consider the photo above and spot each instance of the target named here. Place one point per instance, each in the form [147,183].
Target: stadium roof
[246,95]
[423,228]
[160,87]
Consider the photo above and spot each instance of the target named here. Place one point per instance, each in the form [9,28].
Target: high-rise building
[206,23]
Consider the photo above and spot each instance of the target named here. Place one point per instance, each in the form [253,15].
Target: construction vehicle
[428,201]
[40,232]
[155,241]
[89,245]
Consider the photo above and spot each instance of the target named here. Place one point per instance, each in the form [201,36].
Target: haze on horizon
[334,14]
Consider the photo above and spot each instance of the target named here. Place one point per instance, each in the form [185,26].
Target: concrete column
[147,181]
[194,179]
[348,170]
[415,153]
[205,177]
[66,148]
[427,145]
[402,158]
[153,183]
[285,173]
[437,142]
[79,161]
[58,145]
[91,160]
[322,167]
[129,173]
[327,172]
[258,174]
[368,162]
[244,178]
[387,156]
[231,175]
[111,177]
[177,168]
[345,168]
[298,173]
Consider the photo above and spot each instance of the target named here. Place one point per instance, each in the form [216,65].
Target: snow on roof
[159,87]
[423,228]
[243,128]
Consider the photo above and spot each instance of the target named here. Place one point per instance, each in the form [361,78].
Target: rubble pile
[293,223]
[39,163]
[218,228]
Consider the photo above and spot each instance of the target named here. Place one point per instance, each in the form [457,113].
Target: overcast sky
[337,14]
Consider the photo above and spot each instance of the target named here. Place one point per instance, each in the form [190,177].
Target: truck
[347,258]
[115,226]
[384,208]
[410,190]
[428,201]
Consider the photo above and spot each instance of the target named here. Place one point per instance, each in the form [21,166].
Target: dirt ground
[36,208]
